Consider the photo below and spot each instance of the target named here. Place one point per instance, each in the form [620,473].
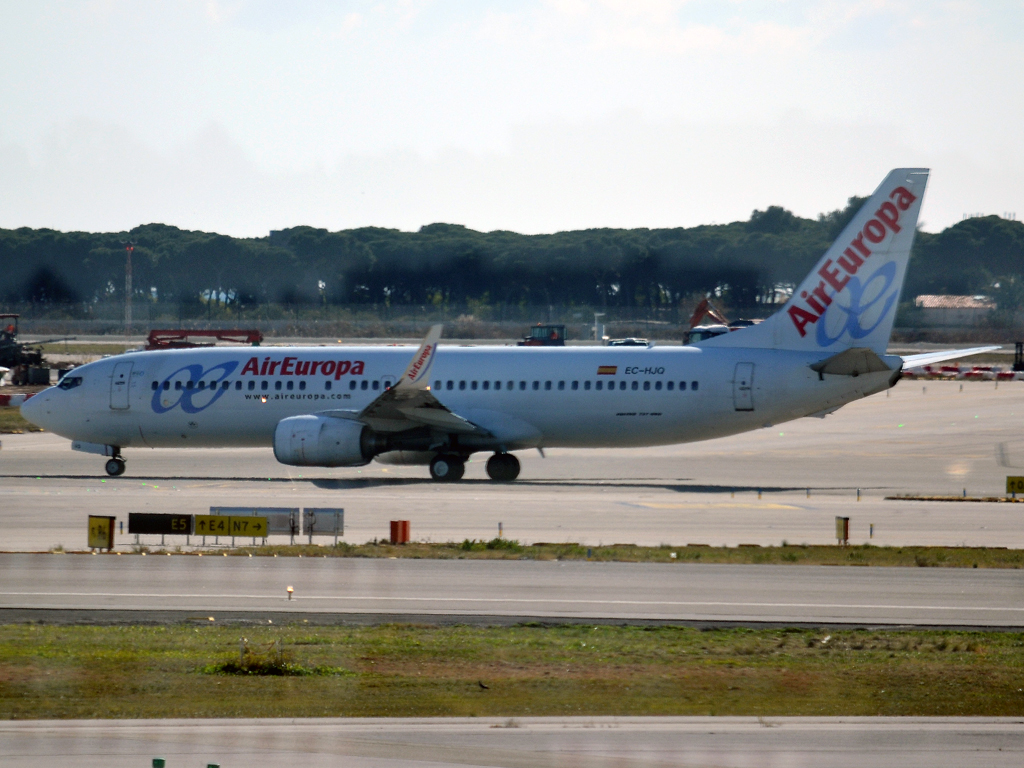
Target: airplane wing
[410,404]
[930,358]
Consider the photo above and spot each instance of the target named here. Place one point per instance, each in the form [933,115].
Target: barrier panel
[399,531]
[323,521]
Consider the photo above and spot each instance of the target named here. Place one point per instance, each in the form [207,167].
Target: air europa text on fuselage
[887,217]
[296,366]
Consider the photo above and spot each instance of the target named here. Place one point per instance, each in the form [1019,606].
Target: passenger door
[743,387]
[120,383]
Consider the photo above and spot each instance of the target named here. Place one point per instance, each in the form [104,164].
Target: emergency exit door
[743,387]
[119,384]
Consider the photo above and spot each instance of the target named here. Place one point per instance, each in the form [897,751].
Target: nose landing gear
[503,467]
[115,466]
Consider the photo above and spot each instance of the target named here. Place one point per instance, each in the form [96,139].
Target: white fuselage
[549,396]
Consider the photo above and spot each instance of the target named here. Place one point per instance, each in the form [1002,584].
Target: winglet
[417,375]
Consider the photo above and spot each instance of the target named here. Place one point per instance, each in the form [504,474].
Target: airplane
[344,406]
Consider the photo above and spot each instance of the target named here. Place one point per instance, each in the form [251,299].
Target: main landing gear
[447,468]
[503,467]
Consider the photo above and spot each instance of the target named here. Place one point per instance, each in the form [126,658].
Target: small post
[808,493]
[965,493]
[733,494]
[871,531]
[858,494]
[759,493]
[501,532]
[121,523]
[290,590]
[961,387]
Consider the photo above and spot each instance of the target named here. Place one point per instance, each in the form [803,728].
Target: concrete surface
[928,437]
[740,742]
[256,587]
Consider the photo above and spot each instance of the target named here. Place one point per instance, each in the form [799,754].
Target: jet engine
[322,441]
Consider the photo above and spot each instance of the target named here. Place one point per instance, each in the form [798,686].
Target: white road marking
[529,601]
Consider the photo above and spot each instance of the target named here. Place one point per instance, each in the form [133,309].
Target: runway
[728,742]
[928,437]
[254,589]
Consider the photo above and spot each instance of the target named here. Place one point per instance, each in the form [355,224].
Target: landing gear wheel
[447,469]
[503,467]
[115,467]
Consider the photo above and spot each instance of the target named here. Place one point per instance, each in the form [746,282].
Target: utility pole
[129,246]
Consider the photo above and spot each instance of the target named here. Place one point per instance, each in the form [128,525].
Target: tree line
[747,264]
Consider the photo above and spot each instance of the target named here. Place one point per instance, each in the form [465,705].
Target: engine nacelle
[322,441]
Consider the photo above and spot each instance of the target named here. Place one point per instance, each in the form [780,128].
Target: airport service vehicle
[346,406]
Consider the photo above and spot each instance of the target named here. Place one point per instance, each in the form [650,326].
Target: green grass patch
[789,554]
[12,423]
[413,671]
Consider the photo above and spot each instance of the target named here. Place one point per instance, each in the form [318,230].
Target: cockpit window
[70,382]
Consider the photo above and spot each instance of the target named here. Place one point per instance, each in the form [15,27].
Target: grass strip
[414,671]
[12,423]
[788,554]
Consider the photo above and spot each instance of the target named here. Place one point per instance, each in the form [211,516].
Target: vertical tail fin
[849,299]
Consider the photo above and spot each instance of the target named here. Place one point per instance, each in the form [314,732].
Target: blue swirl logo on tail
[855,289]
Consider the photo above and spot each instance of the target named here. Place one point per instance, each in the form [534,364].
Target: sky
[245,116]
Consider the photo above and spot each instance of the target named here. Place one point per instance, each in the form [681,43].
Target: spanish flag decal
[607,370]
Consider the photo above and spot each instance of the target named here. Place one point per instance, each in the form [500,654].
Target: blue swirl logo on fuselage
[186,397]
[851,324]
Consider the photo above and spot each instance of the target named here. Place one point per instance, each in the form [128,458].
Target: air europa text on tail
[886,218]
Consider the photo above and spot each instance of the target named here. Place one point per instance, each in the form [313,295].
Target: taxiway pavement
[926,438]
[167,587]
[624,742]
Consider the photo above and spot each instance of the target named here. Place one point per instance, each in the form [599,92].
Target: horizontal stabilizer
[930,358]
[851,362]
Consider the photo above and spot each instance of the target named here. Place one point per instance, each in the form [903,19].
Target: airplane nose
[34,409]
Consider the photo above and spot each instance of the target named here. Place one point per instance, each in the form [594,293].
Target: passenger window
[252,385]
[487,385]
[277,385]
[682,386]
[536,385]
[364,384]
[599,385]
[622,384]
[353,384]
[167,385]
[586,384]
[522,385]
[264,385]
[657,385]
[462,385]
[647,385]
[511,385]
[202,385]
[374,385]
[575,385]
[636,385]
[561,385]
[190,385]
[225,385]
[437,385]
[497,385]
[693,385]
[547,385]
[238,385]
[451,384]
[327,384]
[302,384]
[291,385]
[670,385]
[154,386]
[472,385]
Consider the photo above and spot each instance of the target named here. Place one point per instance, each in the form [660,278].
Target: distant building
[953,310]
